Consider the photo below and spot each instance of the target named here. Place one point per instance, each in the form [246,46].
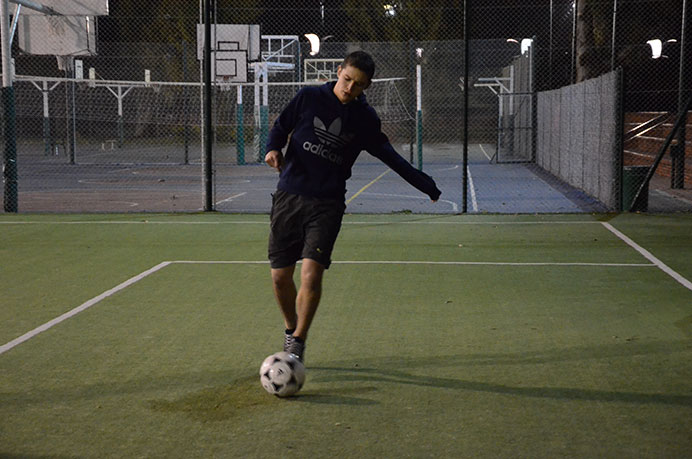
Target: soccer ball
[282,374]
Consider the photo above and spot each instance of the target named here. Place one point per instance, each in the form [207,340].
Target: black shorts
[303,227]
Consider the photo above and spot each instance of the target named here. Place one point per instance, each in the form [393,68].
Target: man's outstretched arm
[385,152]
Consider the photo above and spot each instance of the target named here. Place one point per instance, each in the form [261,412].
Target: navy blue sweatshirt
[326,137]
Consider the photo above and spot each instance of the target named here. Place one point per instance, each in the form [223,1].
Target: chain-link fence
[546,106]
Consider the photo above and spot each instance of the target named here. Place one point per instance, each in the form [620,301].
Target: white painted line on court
[474,201]
[348,201]
[27,336]
[455,206]
[231,198]
[484,152]
[447,168]
[649,256]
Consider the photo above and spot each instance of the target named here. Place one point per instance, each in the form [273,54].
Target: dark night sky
[637,22]
[488,18]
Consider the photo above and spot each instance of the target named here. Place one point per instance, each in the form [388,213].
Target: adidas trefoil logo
[329,136]
[330,140]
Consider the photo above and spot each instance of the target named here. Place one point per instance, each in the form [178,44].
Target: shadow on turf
[392,377]
[246,395]
[348,383]
[389,370]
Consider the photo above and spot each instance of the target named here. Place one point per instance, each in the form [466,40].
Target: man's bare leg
[285,294]
[298,308]
[309,295]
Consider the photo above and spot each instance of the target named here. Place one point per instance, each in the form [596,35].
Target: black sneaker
[294,346]
[288,339]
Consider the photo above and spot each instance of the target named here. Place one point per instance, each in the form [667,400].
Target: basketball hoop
[224,82]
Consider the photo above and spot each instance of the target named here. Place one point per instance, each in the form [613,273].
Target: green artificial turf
[551,343]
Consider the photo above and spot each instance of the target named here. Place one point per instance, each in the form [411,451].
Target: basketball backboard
[232,47]
[57,35]
[71,32]
[72,7]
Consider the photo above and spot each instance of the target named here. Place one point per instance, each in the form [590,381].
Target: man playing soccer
[328,126]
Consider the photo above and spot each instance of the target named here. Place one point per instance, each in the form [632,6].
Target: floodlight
[656,48]
[526,43]
[314,43]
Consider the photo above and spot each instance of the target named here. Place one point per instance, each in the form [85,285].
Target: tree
[593,38]
[637,21]
[399,21]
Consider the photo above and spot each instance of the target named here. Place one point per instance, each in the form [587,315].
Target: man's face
[350,83]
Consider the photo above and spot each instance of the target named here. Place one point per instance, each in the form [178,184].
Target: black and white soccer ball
[282,374]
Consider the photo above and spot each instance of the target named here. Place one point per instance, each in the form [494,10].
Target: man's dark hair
[362,61]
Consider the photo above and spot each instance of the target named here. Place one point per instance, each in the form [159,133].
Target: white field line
[424,262]
[481,223]
[250,222]
[649,256]
[84,306]
[490,263]
[144,221]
